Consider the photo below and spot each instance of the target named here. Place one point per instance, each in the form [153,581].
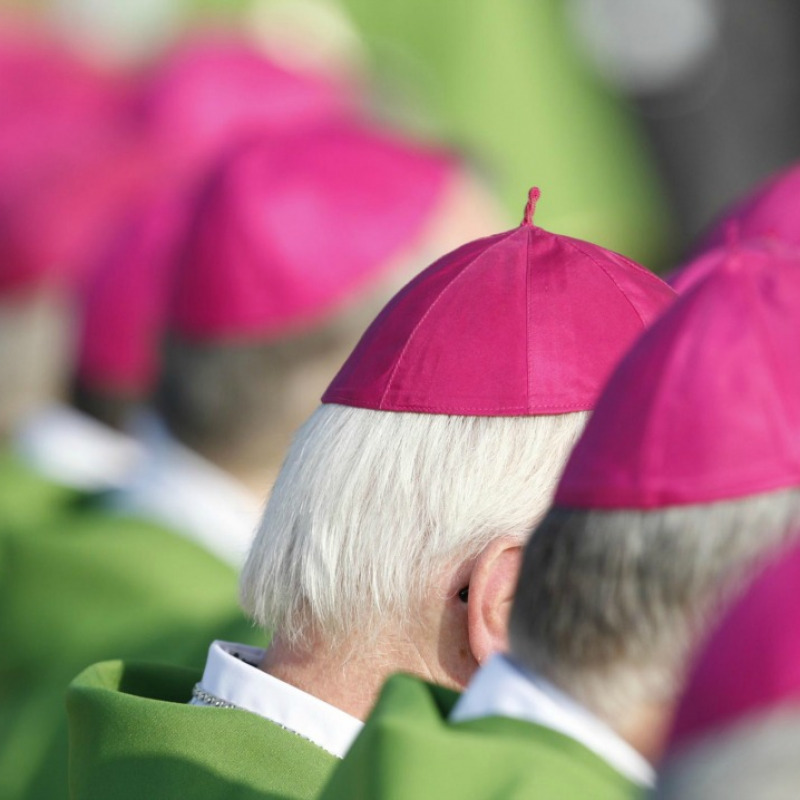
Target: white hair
[610,603]
[755,757]
[370,506]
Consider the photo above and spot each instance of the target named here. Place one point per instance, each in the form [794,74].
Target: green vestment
[132,736]
[506,82]
[409,750]
[86,587]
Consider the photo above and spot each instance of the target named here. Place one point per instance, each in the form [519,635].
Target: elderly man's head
[398,517]
[687,474]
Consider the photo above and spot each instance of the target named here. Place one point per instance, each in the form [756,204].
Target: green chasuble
[132,736]
[87,587]
[408,750]
[506,82]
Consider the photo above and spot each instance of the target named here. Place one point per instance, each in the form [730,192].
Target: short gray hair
[371,506]
[609,603]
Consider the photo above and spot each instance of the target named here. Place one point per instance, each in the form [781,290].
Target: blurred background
[203,204]
[133,228]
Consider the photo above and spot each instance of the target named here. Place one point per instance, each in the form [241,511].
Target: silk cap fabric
[706,406]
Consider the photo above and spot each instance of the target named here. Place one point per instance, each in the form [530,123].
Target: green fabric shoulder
[87,587]
[409,750]
[132,735]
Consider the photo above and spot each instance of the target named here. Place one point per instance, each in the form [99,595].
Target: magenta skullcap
[706,406]
[522,322]
[751,664]
[125,300]
[67,162]
[770,212]
[291,227]
[213,89]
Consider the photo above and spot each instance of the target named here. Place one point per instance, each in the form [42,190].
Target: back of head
[445,430]
[686,475]
[736,729]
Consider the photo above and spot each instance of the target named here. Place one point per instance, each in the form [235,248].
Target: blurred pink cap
[125,301]
[52,103]
[751,664]
[211,90]
[770,212]
[522,322]
[290,227]
[64,158]
[706,406]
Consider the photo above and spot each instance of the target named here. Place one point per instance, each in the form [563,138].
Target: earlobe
[491,591]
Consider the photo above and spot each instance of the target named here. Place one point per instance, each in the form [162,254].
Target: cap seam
[591,258]
[422,319]
[557,408]
[528,322]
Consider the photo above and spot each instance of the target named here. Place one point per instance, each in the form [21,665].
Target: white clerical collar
[232,676]
[74,450]
[179,489]
[500,688]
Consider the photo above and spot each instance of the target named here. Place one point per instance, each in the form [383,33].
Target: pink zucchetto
[67,159]
[520,323]
[750,666]
[770,212]
[212,89]
[706,406]
[290,227]
[124,303]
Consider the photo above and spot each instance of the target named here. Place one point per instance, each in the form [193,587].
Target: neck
[647,730]
[347,678]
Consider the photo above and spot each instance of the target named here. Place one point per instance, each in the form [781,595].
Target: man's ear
[491,591]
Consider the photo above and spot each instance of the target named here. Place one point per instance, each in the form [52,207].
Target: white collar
[74,450]
[176,487]
[234,680]
[501,688]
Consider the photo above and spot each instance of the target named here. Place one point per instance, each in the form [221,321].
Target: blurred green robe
[27,499]
[506,83]
[133,736]
[87,586]
[408,749]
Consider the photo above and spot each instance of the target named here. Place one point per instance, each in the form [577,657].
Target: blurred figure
[715,83]
[208,94]
[506,82]
[392,536]
[293,239]
[297,240]
[199,100]
[737,728]
[63,128]
[684,478]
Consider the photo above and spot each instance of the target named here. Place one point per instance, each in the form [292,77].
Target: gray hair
[371,506]
[609,603]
